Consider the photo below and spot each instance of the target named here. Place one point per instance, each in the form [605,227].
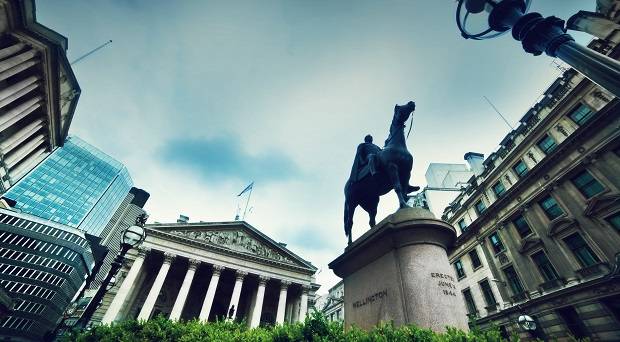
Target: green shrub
[315,328]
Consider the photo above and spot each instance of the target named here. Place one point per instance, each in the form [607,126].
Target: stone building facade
[540,225]
[332,304]
[38,91]
[211,271]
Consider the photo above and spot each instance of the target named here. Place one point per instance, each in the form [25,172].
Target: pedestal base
[399,271]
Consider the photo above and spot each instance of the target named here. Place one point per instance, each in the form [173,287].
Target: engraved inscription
[370,299]
[446,284]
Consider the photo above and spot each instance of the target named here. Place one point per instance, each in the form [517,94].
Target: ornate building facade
[540,224]
[332,304]
[38,91]
[211,271]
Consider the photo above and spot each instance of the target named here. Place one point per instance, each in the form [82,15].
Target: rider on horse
[364,162]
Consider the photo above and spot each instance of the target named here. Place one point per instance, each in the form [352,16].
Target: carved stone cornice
[561,224]
[602,204]
[529,243]
[284,284]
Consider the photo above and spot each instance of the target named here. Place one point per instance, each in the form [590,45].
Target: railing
[600,268]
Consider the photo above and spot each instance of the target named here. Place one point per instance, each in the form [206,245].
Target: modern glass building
[77,185]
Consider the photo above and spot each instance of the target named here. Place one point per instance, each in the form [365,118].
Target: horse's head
[401,113]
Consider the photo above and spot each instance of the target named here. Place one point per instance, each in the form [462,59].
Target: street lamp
[538,35]
[132,237]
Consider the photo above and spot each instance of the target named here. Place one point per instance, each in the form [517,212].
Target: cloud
[223,158]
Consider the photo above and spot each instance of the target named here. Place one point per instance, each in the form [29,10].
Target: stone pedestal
[399,271]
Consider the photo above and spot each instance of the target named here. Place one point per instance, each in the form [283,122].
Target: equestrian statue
[376,171]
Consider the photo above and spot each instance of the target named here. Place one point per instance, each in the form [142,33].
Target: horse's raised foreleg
[392,171]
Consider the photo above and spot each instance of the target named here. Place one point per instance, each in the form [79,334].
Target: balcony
[491,308]
[551,284]
[519,297]
[598,269]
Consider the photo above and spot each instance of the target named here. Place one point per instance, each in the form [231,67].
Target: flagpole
[248,201]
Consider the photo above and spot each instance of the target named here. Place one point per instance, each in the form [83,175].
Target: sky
[199,98]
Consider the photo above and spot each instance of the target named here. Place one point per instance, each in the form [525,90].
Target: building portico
[211,271]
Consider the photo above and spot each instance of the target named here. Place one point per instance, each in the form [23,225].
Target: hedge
[315,328]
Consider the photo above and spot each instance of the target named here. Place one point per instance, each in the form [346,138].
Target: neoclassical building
[211,270]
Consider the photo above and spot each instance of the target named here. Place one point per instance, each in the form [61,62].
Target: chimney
[475,162]
[182,219]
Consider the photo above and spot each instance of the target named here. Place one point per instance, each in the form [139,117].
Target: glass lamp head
[133,235]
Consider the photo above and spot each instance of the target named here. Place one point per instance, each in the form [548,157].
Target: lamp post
[538,35]
[132,237]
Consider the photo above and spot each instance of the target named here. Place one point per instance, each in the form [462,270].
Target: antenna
[558,65]
[498,113]
[91,52]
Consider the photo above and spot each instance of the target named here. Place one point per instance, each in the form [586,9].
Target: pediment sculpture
[238,241]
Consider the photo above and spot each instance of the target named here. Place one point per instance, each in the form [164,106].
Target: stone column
[151,298]
[303,310]
[282,301]
[288,312]
[206,305]
[234,299]
[295,311]
[258,306]
[179,303]
[123,291]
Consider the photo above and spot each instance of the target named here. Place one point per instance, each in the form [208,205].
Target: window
[469,302]
[551,207]
[496,242]
[475,260]
[581,114]
[544,266]
[513,280]
[573,322]
[460,271]
[463,225]
[581,250]
[586,184]
[480,207]
[499,189]
[614,221]
[522,227]
[487,293]
[520,169]
[547,144]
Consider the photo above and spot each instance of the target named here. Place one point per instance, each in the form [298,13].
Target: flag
[247,188]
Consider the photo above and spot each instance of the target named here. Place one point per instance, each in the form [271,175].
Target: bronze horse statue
[393,169]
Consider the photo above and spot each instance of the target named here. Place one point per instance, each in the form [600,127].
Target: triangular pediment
[599,204]
[235,237]
[528,243]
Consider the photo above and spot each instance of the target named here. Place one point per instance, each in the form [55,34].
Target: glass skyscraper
[77,185]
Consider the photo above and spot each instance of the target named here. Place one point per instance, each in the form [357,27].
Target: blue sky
[198,98]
